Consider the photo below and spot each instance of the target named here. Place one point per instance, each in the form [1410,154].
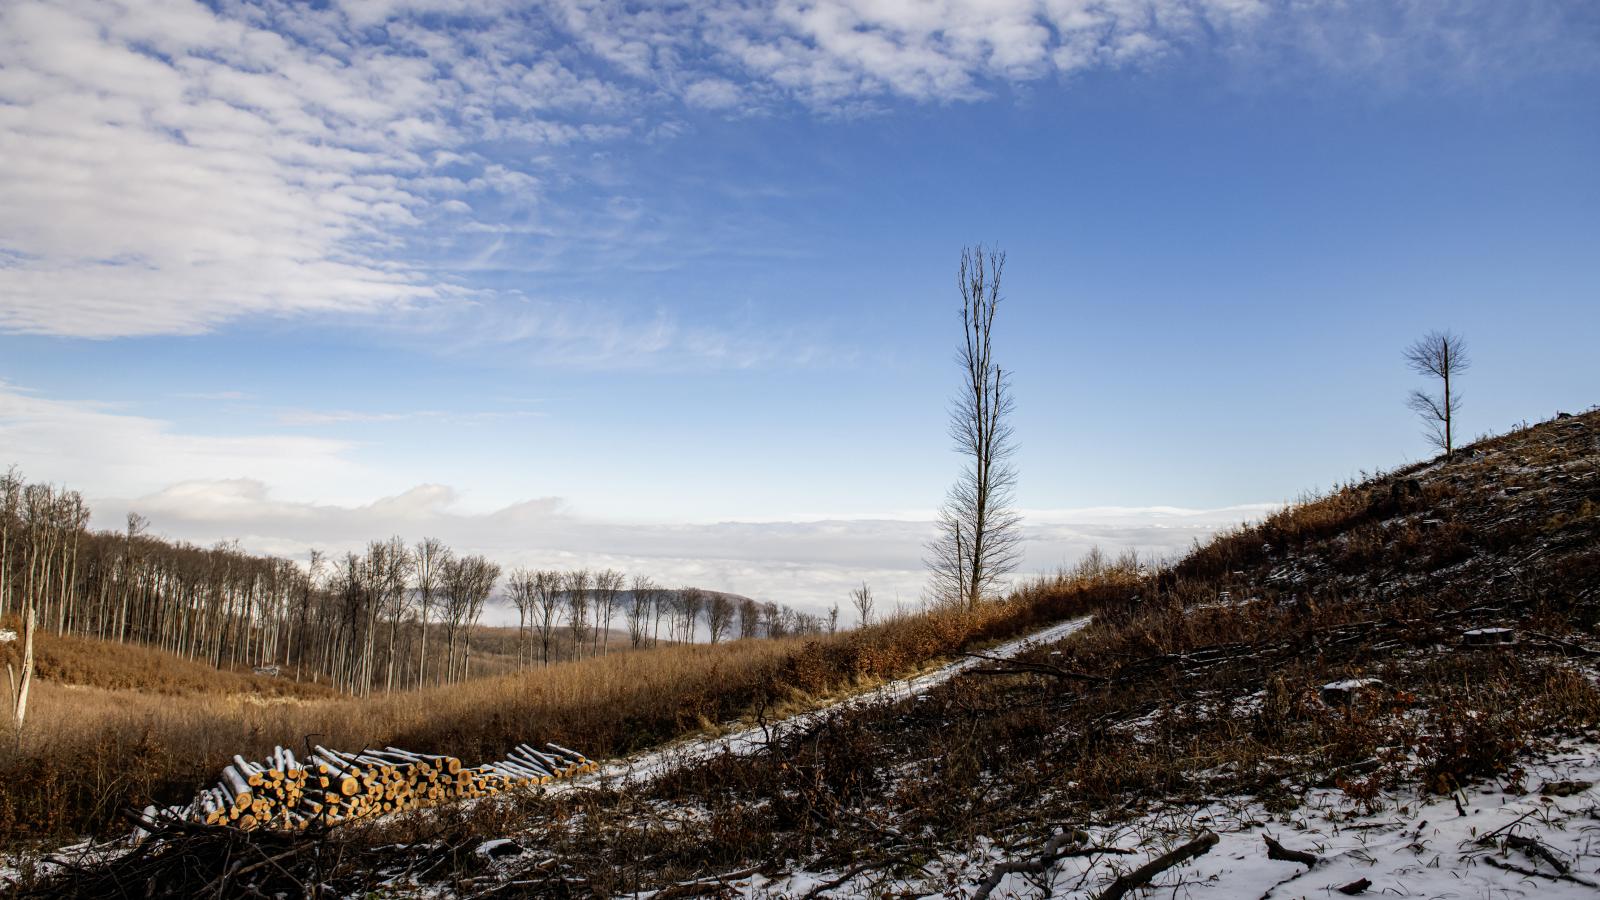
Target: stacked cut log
[329,787]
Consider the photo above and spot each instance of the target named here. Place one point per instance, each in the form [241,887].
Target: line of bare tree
[393,617]
[581,605]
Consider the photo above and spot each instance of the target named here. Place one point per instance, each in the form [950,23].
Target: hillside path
[745,741]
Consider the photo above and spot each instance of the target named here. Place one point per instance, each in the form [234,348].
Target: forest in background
[395,617]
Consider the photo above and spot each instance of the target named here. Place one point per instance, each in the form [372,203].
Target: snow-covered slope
[1540,842]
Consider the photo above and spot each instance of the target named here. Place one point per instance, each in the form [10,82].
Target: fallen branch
[704,885]
[1537,850]
[1141,876]
[1060,846]
[1278,851]
[1522,870]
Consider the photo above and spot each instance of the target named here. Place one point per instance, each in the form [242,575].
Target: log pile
[287,792]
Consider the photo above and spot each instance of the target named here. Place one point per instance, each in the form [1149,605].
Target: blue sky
[672,288]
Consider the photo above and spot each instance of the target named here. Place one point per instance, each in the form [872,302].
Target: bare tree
[749,618]
[426,558]
[1441,355]
[661,601]
[547,600]
[11,485]
[524,598]
[467,583]
[638,609]
[607,588]
[772,619]
[833,618]
[393,579]
[690,601]
[579,584]
[719,615]
[861,599]
[980,538]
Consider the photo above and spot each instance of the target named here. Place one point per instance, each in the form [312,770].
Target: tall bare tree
[1441,355]
[11,485]
[690,601]
[393,586]
[661,601]
[640,599]
[980,533]
[749,618]
[466,584]
[484,575]
[524,598]
[429,555]
[547,603]
[608,584]
[579,585]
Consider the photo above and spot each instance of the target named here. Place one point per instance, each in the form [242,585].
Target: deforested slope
[1399,675]
[1342,655]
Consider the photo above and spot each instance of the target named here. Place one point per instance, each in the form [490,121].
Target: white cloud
[713,93]
[167,166]
[101,451]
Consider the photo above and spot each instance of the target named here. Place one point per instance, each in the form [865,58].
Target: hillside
[1395,681]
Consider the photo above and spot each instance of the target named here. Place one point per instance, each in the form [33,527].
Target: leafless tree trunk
[607,586]
[1441,355]
[429,555]
[833,619]
[719,615]
[19,712]
[484,576]
[749,618]
[980,539]
[638,609]
[690,602]
[393,582]
[660,602]
[547,596]
[578,588]
[861,599]
[523,596]
[10,501]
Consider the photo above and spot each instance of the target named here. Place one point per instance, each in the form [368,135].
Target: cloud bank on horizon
[183,483]
[171,166]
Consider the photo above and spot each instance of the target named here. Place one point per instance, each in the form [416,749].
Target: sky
[671,287]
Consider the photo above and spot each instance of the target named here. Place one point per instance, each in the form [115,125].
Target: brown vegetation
[87,751]
[90,663]
[1206,680]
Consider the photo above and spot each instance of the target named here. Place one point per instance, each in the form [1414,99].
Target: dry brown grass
[88,750]
[70,660]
